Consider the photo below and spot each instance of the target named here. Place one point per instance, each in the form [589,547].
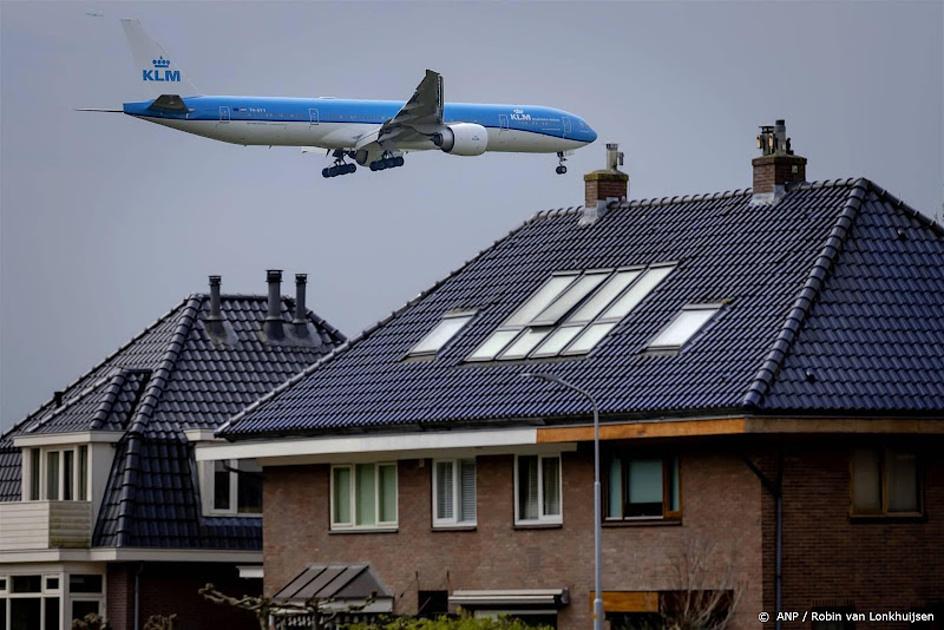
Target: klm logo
[519,114]
[160,71]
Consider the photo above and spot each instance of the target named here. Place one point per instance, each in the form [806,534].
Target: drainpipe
[137,596]
[775,488]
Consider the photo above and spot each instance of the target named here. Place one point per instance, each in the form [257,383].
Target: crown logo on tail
[160,62]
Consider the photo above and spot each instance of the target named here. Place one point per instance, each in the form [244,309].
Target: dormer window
[58,473]
[231,487]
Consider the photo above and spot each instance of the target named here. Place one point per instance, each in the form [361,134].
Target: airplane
[373,133]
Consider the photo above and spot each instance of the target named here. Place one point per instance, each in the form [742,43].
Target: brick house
[768,365]
[102,506]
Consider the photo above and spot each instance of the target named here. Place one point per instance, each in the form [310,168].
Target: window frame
[714,307]
[466,314]
[542,519]
[208,473]
[883,512]
[378,525]
[669,462]
[30,465]
[454,522]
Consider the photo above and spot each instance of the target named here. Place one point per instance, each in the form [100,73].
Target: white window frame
[26,460]
[456,483]
[714,308]
[542,519]
[466,315]
[208,490]
[378,525]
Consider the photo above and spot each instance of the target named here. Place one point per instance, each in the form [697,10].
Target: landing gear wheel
[398,161]
[340,166]
[561,169]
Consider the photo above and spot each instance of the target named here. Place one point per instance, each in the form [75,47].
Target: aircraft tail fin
[156,71]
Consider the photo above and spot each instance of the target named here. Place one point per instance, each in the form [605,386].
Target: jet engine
[462,139]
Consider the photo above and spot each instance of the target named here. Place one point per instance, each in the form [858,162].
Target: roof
[827,292]
[174,376]
[333,581]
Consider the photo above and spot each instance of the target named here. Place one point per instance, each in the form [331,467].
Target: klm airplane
[369,132]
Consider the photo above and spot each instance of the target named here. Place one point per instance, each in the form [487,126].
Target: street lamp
[597,516]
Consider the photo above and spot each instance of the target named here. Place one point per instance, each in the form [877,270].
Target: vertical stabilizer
[156,71]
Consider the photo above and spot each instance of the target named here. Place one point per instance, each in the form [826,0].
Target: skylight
[439,336]
[688,322]
[570,313]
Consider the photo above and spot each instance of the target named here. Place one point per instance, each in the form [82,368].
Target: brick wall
[832,560]
[171,588]
[721,503]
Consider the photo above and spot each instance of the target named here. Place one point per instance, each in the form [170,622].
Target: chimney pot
[301,311]
[777,167]
[273,321]
[606,184]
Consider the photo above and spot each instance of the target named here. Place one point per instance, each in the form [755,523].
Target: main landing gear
[387,161]
[340,166]
[561,169]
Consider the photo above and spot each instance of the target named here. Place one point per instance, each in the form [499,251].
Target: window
[639,487]
[85,583]
[364,496]
[684,326]
[538,489]
[432,604]
[439,336]
[454,492]
[234,487]
[570,313]
[885,482]
[56,474]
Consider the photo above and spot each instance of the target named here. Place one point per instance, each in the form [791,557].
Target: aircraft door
[224,113]
[313,117]
[503,122]
[568,126]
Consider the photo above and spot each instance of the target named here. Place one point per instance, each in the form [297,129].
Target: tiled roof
[172,377]
[819,282]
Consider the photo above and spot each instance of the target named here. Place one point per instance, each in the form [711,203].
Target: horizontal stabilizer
[99,109]
[169,102]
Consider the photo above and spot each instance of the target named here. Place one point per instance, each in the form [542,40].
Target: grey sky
[108,222]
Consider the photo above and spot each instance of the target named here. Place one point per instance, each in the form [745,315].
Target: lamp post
[597,516]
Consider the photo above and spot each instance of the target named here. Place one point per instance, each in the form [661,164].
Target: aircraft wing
[421,116]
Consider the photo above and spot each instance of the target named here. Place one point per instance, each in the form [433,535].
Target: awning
[540,597]
[346,584]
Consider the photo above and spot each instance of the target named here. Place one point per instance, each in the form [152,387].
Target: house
[102,506]
[768,366]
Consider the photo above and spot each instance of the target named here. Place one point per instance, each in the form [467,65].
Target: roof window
[688,322]
[570,313]
[447,328]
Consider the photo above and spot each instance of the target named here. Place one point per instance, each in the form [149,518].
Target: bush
[464,622]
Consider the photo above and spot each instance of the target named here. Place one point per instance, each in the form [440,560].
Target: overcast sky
[107,222]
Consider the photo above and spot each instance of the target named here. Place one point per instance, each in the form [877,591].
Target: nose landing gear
[340,166]
[561,169]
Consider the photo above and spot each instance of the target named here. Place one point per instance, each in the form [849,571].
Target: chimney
[57,398]
[777,168]
[273,321]
[603,186]
[301,311]
[214,321]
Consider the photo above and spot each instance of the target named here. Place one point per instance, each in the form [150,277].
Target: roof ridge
[73,400]
[142,414]
[77,380]
[901,206]
[808,294]
[105,408]
[350,343]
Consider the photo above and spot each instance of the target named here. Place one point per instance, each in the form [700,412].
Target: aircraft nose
[591,135]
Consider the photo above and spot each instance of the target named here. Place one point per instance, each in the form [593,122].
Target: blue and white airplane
[370,132]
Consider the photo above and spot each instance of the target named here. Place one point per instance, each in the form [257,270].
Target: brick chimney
[608,184]
[777,168]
